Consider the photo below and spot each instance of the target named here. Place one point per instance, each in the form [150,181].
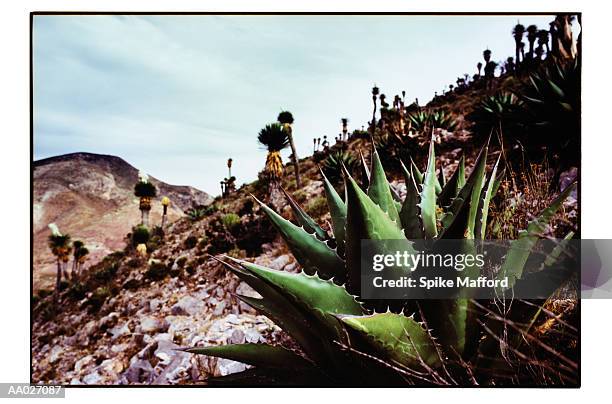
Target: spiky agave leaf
[318,300]
[453,185]
[456,219]
[521,249]
[255,355]
[397,337]
[304,219]
[365,221]
[409,214]
[379,191]
[427,204]
[313,254]
[483,206]
[337,210]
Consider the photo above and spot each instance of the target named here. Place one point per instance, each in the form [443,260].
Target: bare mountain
[90,196]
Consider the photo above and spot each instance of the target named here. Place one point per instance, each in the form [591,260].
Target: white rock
[93,378]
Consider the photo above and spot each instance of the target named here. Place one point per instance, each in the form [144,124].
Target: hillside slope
[90,196]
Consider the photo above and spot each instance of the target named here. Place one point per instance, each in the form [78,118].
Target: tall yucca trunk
[58,279]
[145,207]
[294,157]
[163,223]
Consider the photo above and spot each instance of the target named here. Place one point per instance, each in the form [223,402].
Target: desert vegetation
[492,157]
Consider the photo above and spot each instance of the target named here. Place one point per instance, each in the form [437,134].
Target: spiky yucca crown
[59,243]
[273,137]
[285,117]
[145,189]
[341,339]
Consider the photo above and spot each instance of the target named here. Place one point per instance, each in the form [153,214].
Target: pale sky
[175,96]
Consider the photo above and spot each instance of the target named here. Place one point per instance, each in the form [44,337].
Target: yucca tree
[79,256]
[486,54]
[144,190]
[543,42]
[275,139]
[165,203]
[344,340]
[344,122]
[285,118]
[532,35]
[375,92]
[517,33]
[61,248]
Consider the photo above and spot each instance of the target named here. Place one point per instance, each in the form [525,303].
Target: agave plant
[343,340]
[333,165]
[552,105]
[275,139]
[497,112]
[425,121]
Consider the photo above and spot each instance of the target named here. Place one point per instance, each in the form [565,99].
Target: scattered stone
[219,308]
[93,378]
[225,367]
[139,371]
[187,305]
[56,353]
[237,337]
[280,262]
[152,325]
[83,362]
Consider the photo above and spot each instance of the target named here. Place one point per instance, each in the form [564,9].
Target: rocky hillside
[90,196]
[123,323]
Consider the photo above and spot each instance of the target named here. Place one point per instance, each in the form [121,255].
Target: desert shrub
[46,310]
[316,207]
[140,235]
[237,253]
[106,273]
[190,242]
[157,271]
[203,243]
[42,293]
[247,207]
[230,221]
[181,262]
[134,262]
[98,297]
[158,232]
[154,243]
[77,291]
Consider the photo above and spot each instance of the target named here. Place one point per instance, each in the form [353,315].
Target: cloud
[177,95]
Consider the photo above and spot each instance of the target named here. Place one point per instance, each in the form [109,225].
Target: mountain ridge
[90,196]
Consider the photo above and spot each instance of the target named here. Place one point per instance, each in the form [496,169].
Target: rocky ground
[134,336]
